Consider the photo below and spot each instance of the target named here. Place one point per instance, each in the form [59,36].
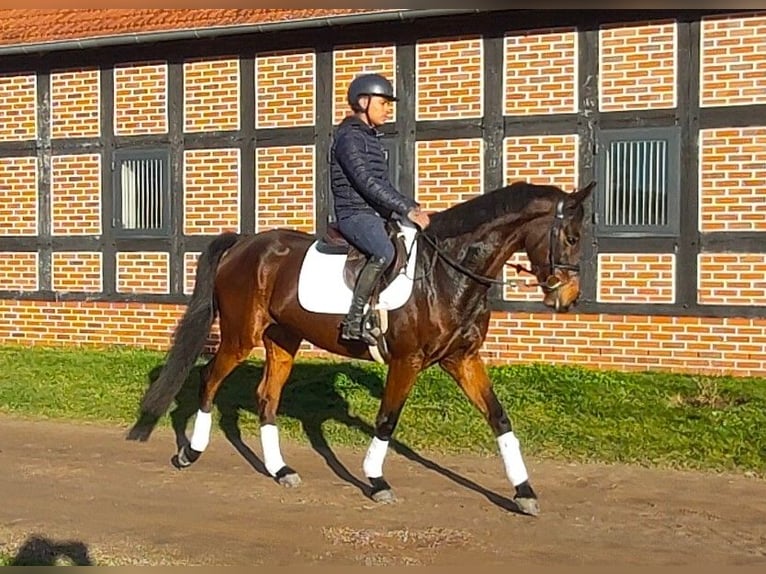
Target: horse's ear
[577,197]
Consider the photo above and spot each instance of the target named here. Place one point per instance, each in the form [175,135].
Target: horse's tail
[189,339]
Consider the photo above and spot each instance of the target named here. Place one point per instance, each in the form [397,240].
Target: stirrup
[357,332]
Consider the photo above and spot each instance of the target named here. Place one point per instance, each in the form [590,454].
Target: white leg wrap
[272,456]
[512,459]
[201,433]
[373,460]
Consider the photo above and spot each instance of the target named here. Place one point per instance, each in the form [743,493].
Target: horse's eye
[572,239]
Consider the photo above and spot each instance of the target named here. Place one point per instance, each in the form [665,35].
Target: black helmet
[369,85]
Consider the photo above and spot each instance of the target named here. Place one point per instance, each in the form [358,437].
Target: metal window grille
[640,193]
[142,201]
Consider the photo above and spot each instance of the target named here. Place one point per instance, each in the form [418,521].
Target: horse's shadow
[312,398]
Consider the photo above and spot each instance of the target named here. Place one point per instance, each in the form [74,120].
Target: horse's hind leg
[213,373]
[281,347]
[471,376]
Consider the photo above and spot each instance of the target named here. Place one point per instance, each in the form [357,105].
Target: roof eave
[220,31]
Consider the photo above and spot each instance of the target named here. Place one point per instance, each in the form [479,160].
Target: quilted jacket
[359,174]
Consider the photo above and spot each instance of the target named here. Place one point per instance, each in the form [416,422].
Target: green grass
[563,412]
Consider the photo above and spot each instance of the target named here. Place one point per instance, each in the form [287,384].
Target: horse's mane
[468,215]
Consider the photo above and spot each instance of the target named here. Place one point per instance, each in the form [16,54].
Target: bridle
[551,284]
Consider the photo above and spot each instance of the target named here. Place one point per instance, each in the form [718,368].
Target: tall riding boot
[352,327]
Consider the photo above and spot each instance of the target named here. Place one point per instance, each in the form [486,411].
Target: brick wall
[76,195]
[143,272]
[75,97]
[448,76]
[636,278]
[540,73]
[76,272]
[541,159]
[448,172]
[285,182]
[19,271]
[211,191]
[732,278]
[140,99]
[18,107]
[637,67]
[18,205]
[732,176]
[211,95]
[732,60]
[285,89]
[735,346]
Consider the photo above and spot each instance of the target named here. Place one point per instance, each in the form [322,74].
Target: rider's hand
[418,217]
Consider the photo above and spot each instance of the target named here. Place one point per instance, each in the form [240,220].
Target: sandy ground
[82,494]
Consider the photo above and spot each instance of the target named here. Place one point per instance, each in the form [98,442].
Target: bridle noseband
[551,284]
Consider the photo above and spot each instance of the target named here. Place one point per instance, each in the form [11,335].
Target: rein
[550,285]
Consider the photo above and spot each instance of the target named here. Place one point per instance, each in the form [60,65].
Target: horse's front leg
[401,377]
[471,376]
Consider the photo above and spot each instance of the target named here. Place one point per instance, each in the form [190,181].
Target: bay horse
[250,283]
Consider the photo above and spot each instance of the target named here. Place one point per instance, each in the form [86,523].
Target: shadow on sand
[312,398]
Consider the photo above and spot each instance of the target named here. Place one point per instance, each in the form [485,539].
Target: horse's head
[553,247]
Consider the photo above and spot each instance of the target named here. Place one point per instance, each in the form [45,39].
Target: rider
[364,197]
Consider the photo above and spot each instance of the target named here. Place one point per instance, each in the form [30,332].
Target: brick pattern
[76,195]
[540,73]
[75,110]
[190,268]
[76,272]
[143,272]
[211,95]
[285,89]
[18,207]
[735,346]
[731,279]
[701,345]
[541,159]
[448,172]
[732,176]
[733,58]
[211,191]
[18,107]
[140,99]
[449,76]
[636,278]
[637,67]
[19,271]
[285,188]
[350,61]
[87,323]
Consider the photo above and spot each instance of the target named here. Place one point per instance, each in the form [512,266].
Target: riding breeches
[368,234]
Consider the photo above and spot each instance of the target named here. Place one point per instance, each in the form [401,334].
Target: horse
[250,283]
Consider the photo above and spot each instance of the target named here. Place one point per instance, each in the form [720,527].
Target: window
[639,171]
[141,192]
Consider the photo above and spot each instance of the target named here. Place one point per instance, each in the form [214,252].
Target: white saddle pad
[321,288]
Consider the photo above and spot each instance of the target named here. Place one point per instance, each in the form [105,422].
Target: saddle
[333,243]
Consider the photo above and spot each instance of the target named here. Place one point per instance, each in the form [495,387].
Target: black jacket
[359,174]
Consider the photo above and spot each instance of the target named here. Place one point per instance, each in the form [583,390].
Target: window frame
[672,135]
[120,156]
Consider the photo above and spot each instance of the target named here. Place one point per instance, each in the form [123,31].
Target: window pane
[636,192]
[141,182]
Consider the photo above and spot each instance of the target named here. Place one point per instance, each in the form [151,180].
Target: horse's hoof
[384,496]
[381,491]
[288,478]
[529,506]
[185,457]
